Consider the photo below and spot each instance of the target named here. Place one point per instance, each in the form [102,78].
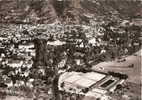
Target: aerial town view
[70,49]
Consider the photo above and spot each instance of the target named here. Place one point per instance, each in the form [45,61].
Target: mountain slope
[44,11]
[26,11]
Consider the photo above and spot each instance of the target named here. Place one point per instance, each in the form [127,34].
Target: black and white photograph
[70,49]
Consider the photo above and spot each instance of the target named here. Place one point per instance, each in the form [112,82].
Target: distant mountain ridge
[125,8]
[44,12]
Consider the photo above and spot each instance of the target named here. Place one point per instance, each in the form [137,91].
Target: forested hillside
[46,11]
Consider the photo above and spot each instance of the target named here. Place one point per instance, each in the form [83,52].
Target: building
[87,86]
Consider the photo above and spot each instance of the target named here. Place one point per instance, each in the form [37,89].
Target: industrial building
[90,85]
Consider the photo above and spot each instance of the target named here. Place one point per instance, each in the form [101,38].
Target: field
[134,73]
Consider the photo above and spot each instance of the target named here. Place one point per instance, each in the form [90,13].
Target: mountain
[125,8]
[26,11]
[47,11]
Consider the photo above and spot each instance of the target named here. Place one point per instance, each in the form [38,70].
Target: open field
[134,73]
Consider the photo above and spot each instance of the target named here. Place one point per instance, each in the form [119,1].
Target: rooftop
[91,84]
[83,79]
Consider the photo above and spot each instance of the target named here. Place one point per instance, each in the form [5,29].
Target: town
[67,50]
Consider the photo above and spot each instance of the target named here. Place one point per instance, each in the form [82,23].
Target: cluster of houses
[17,51]
[16,62]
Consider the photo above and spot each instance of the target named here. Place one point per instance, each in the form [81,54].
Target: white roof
[18,64]
[56,43]
[26,46]
[84,82]
[3,38]
[94,76]
[81,79]
[92,41]
[72,79]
